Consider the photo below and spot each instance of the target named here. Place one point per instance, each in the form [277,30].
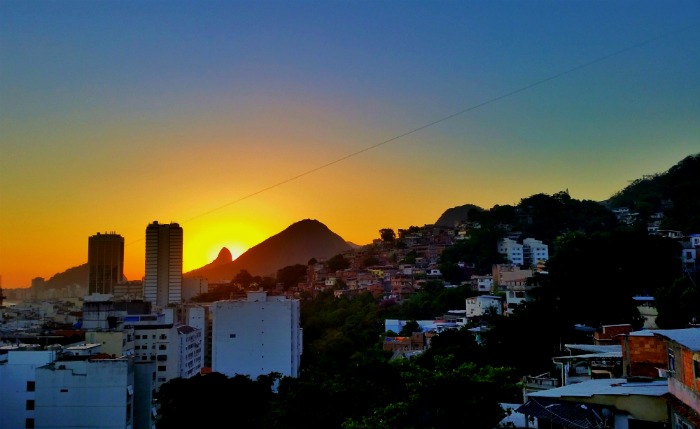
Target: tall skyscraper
[105,262]
[162,284]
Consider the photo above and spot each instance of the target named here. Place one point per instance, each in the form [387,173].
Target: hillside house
[479,306]
[683,352]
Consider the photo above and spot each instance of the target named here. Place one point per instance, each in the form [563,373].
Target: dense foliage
[675,192]
[348,381]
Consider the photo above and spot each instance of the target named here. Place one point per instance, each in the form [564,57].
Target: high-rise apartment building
[105,262]
[162,284]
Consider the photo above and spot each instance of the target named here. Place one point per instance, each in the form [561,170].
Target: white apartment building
[199,316]
[191,350]
[177,349]
[132,328]
[87,393]
[18,366]
[478,306]
[256,336]
[534,252]
[73,386]
[482,284]
[512,250]
[518,291]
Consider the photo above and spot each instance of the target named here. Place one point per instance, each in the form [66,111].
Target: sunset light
[236,122]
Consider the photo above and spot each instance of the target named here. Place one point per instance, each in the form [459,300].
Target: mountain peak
[297,244]
[224,256]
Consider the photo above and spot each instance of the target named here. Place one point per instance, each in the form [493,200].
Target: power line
[448,117]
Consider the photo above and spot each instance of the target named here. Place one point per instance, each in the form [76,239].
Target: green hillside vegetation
[676,193]
[347,380]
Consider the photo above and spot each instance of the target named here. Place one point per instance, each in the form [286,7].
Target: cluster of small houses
[622,379]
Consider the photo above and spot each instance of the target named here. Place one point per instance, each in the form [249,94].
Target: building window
[30,404]
[696,368]
[30,387]
[671,360]
[161,368]
[680,423]
[29,423]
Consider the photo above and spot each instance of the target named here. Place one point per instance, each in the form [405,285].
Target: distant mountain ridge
[297,244]
[311,239]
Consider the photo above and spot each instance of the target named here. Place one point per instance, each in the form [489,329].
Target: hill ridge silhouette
[296,244]
[678,183]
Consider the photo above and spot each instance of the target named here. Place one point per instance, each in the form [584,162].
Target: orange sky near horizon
[237,119]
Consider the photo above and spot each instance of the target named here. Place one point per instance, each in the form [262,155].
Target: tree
[337,263]
[215,397]
[243,279]
[387,234]
[291,275]
[678,304]
[410,257]
[409,328]
[612,275]
[370,261]
[421,402]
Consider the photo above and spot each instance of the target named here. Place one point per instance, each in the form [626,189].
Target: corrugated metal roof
[569,415]
[592,348]
[642,333]
[609,355]
[610,387]
[689,337]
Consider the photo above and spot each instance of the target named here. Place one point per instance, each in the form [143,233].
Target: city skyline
[236,119]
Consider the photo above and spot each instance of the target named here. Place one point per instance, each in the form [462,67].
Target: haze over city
[236,119]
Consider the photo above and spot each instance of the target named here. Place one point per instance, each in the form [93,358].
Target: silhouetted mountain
[76,275]
[675,192]
[297,244]
[456,215]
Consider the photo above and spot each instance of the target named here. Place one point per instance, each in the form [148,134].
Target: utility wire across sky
[450,116]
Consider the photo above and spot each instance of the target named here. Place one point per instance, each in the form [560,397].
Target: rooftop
[689,337]
[612,386]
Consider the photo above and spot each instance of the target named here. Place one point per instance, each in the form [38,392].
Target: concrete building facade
[256,336]
[162,283]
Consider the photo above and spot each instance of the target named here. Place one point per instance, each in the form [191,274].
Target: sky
[237,119]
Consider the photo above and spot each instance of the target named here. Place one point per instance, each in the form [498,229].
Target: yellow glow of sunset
[236,132]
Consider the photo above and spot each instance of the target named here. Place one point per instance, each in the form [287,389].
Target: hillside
[297,244]
[457,215]
[675,192]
